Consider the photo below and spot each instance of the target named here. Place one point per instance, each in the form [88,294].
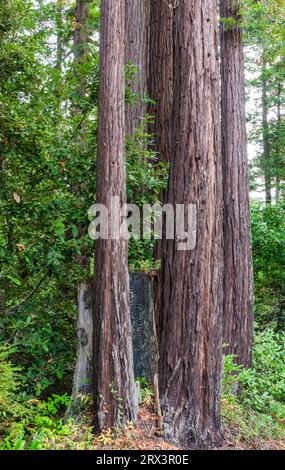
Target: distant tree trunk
[278,179]
[80,50]
[137,42]
[80,47]
[238,279]
[59,34]
[114,387]
[191,305]
[265,131]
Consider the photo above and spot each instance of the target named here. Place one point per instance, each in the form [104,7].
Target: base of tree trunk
[82,381]
[203,440]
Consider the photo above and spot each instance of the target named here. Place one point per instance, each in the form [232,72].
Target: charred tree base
[187,434]
[82,381]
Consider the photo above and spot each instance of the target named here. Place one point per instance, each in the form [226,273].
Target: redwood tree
[238,281]
[161,93]
[161,75]
[265,135]
[137,42]
[114,390]
[191,303]
[80,47]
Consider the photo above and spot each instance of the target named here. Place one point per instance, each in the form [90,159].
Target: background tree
[238,278]
[265,137]
[263,24]
[191,303]
[137,18]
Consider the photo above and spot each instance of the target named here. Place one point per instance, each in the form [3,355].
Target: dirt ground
[145,436]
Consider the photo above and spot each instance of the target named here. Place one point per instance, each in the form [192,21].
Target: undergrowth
[253,400]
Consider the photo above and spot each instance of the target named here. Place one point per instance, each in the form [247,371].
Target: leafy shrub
[8,387]
[268,234]
[253,400]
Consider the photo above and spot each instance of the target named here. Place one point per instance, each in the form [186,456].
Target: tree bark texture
[80,47]
[114,388]
[161,93]
[238,277]
[191,304]
[161,75]
[137,54]
[82,381]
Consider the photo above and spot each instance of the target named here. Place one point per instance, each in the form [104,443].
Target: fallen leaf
[17,197]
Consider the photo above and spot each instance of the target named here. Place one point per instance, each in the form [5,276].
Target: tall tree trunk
[161,75]
[82,374]
[161,92]
[265,132]
[80,47]
[278,179]
[238,279]
[80,50]
[137,41]
[191,305]
[114,388]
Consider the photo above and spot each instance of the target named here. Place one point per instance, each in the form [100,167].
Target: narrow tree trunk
[161,93]
[161,75]
[114,388]
[278,179]
[137,41]
[265,131]
[82,374]
[238,279]
[80,47]
[191,307]
[59,34]
[82,381]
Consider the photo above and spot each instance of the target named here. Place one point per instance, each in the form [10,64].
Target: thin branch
[35,289]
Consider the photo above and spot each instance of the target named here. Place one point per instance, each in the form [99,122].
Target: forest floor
[145,436]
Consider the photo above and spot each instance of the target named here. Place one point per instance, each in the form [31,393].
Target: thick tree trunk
[191,306]
[114,387]
[266,146]
[137,41]
[238,279]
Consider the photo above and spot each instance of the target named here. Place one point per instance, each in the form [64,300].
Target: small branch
[157,403]
[35,289]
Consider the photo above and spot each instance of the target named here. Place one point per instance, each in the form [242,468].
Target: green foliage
[146,179]
[8,386]
[254,399]
[47,184]
[33,424]
[146,391]
[268,234]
